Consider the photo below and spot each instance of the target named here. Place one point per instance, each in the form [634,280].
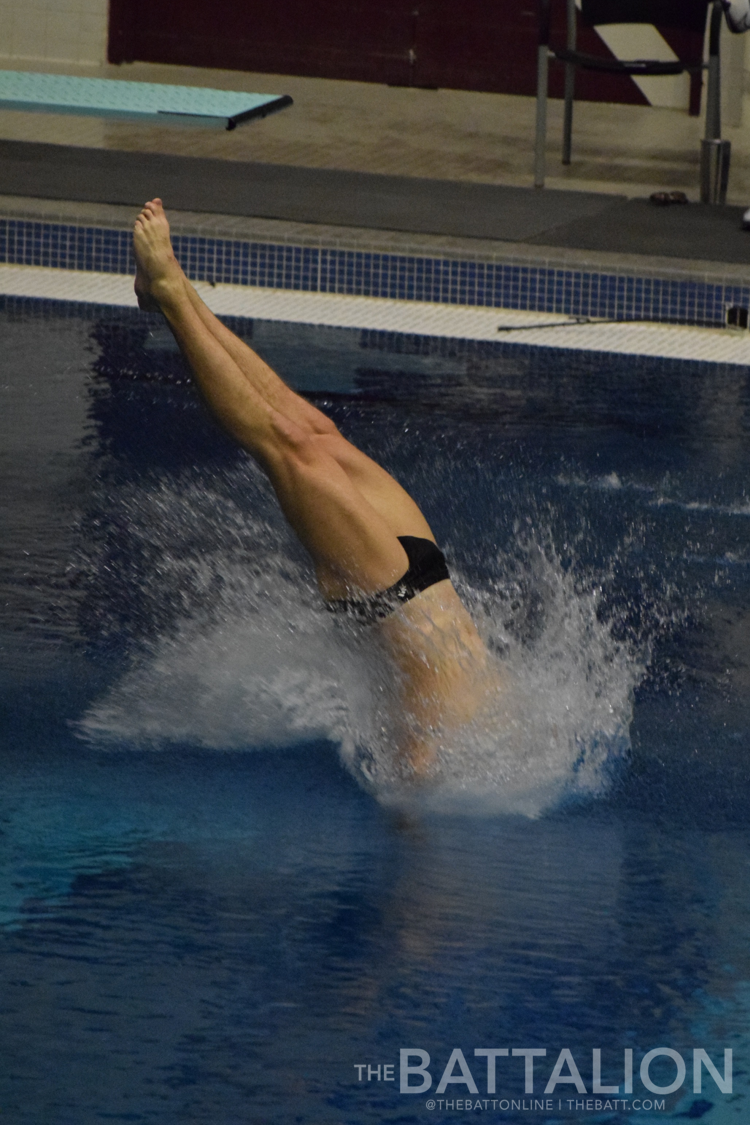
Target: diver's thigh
[381,491]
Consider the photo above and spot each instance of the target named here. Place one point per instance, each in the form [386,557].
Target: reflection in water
[316,935]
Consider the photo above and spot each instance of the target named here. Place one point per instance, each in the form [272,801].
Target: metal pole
[715,153]
[713,90]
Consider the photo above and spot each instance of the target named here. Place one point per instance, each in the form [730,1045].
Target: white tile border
[711,345]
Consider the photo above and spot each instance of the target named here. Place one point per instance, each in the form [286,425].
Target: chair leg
[570,83]
[542,85]
[570,80]
[713,86]
[540,145]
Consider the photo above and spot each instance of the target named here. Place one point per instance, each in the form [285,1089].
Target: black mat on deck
[636,226]
[575,220]
[275,191]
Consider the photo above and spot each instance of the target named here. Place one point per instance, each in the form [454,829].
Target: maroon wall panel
[353,39]
[459,44]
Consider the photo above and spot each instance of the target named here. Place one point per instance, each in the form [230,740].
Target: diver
[375,557]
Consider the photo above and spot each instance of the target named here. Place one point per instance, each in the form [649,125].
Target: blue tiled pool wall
[367,273]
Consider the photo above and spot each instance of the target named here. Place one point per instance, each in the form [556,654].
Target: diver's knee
[334,444]
[304,447]
[323,426]
[287,438]
[300,444]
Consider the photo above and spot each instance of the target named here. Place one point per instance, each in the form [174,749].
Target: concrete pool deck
[447,162]
[431,180]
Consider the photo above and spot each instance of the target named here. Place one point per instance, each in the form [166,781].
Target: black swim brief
[427,566]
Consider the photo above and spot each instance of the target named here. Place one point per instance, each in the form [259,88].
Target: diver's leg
[379,487]
[353,547]
[384,494]
[376,484]
[263,378]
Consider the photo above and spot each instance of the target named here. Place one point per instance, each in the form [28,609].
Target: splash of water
[259,663]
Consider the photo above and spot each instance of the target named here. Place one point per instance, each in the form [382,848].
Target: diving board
[149,102]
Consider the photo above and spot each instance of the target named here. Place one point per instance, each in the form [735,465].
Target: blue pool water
[208,913]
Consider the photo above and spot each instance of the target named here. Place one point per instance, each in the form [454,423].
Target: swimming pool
[208,914]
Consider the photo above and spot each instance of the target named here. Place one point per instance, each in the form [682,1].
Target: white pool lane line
[713,345]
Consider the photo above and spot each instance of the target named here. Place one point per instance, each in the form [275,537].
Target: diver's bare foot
[158,274]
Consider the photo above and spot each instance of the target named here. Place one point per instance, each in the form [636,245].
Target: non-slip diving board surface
[142,101]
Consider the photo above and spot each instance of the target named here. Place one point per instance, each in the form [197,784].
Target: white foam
[741,509]
[254,662]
